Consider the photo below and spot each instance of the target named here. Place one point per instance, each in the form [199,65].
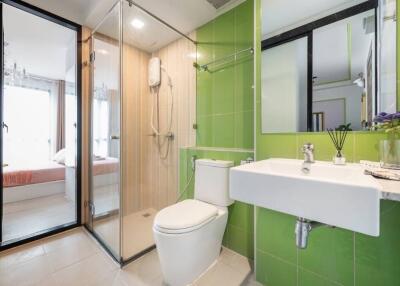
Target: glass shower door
[105,132]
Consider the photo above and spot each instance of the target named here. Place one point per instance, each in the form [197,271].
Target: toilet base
[185,256]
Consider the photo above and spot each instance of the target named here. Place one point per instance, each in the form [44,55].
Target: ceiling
[341,49]
[282,15]
[40,53]
[185,16]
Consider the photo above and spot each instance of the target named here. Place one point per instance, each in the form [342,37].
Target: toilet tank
[212,182]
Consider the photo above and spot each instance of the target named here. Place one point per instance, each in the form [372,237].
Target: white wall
[387,95]
[351,93]
[284,88]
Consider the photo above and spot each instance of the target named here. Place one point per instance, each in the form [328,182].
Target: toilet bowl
[188,234]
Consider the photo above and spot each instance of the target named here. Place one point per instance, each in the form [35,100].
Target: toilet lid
[185,214]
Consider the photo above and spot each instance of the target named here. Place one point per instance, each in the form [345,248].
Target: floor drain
[146,215]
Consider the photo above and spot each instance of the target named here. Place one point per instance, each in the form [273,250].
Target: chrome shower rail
[132,3]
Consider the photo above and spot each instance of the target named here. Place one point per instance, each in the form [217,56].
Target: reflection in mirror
[344,73]
[324,65]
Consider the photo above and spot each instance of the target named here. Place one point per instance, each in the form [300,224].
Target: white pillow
[59,157]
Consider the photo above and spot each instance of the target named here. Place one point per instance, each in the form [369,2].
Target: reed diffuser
[338,137]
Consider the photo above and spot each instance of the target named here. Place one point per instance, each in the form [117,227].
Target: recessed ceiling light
[137,24]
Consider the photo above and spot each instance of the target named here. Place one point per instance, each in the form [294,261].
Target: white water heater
[154,72]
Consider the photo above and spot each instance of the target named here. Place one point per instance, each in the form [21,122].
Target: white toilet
[189,234]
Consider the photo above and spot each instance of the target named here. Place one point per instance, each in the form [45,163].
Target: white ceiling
[184,15]
[282,15]
[36,44]
[341,49]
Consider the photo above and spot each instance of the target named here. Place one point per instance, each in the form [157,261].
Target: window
[28,117]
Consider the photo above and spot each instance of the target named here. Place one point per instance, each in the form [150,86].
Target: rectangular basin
[339,196]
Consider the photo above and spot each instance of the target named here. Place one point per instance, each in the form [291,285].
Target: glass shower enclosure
[139,120]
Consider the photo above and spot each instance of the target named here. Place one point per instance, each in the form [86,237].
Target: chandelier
[13,73]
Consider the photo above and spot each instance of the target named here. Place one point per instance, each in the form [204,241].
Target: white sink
[340,196]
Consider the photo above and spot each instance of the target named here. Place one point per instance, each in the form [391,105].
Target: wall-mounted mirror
[327,63]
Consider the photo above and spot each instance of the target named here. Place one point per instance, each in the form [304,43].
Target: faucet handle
[308,147]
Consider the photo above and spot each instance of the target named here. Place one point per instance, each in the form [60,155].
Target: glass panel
[284,81]
[105,165]
[158,106]
[39,125]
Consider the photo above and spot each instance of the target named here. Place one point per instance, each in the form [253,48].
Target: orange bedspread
[50,172]
[27,175]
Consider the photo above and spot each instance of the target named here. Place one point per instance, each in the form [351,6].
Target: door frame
[78,29]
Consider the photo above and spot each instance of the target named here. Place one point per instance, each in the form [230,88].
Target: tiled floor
[30,216]
[74,258]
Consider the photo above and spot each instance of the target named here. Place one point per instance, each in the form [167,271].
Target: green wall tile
[205,46]
[244,22]
[204,132]
[227,88]
[330,253]
[224,34]
[366,146]
[307,278]
[240,215]
[273,271]
[204,94]
[282,146]
[240,240]
[275,234]
[378,258]
[243,129]
[223,90]
[223,131]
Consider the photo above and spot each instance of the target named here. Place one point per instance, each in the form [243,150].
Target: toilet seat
[184,217]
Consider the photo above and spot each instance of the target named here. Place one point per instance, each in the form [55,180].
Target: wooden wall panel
[148,180]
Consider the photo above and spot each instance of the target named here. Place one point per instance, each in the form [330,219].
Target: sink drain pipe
[302,231]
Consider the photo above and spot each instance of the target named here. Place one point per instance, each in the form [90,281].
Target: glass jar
[390,153]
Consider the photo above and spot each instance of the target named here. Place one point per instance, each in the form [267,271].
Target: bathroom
[174,161]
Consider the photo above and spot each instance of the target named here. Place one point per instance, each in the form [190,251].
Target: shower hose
[156,131]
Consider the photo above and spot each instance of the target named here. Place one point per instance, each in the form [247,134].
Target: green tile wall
[240,228]
[334,256]
[225,95]
[225,110]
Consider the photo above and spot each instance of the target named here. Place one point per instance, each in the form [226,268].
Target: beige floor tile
[236,261]
[114,279]
[222,274]
[65,239]
[70,254]
[28,273]
[145,270]
[89,271]
[20,255]
[73,259]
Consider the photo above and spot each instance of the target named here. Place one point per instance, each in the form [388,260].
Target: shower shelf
[205,67]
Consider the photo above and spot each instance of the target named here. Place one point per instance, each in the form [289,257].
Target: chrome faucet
[308,151]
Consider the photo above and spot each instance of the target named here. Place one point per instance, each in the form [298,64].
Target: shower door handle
[114,137]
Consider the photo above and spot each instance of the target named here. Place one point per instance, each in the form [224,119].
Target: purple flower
[385,117]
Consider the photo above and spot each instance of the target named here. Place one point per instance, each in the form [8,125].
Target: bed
[49,178]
